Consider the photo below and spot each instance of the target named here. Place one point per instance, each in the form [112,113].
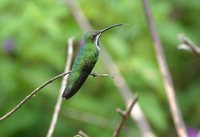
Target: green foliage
[33,49]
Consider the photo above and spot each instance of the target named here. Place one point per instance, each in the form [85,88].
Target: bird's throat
[97,41]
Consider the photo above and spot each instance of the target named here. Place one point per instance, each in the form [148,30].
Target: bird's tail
[67,94]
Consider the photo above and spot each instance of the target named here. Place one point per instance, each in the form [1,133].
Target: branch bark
[125,115]
[187,44]
[63,85]
[28,97]
[168,84]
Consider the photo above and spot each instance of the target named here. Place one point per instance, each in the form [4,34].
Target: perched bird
[84,62]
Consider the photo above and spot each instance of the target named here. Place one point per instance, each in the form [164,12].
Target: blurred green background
[33,48]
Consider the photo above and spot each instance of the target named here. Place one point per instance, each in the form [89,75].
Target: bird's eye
[93,37]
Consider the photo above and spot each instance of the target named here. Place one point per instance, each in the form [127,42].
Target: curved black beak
[110,27]
[98,33]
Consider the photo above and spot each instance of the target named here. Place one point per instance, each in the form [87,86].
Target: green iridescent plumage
[84,62]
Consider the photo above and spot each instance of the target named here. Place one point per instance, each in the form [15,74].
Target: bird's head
[93,36]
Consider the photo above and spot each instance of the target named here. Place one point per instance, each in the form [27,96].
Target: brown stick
[119,81]
[176,114]
[63,85]
[28,97]
[124,117]
[188,44]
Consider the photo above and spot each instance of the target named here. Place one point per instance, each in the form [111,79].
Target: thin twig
[63,85]
[169,88]
[28,97]
[125,115]
[119,81]
[101,75]
[82,134]
[188,45]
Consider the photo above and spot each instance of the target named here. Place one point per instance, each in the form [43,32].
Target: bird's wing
[72,90]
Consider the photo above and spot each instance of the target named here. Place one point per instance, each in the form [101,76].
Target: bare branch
[187,44]
[124,117]
[176,114]
[82,134]
[122,112]
[100,75]
[119,81]
[63,85]
[28,97]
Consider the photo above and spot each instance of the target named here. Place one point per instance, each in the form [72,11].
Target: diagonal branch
[28,97]
[125,115]
[63,85]
[119,81]
[168,84]
[187,44]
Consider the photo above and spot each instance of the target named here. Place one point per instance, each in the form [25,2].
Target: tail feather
[67,93]
[70,91]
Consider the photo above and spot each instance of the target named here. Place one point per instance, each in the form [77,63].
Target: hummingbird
[84,61]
